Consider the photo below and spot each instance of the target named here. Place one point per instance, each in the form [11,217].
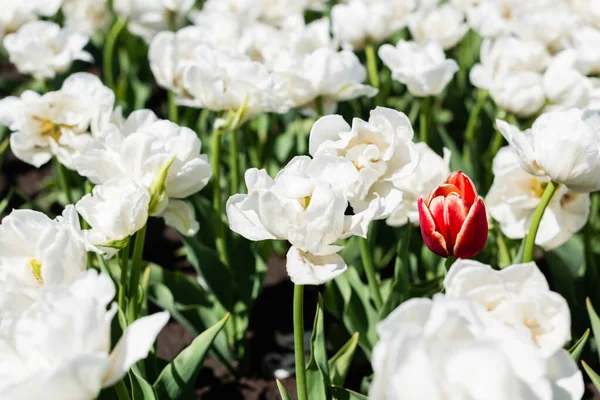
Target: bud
[453,220]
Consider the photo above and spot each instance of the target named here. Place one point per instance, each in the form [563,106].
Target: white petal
[179,214]
[308,269]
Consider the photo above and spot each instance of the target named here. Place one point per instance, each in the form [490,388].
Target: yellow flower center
[49,128]
[305,201]
[36,269]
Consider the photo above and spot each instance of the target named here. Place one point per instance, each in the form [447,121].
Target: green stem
[136,268]
[124,263]
[319,107]
[109,51]
[367,259]
[234,161]
[221,239]
[173,109]
[535,222]
[121,390]
[449,261]
[424,119]
[503,254]
[61,175]
[470,149]
[372,66]
[299,342]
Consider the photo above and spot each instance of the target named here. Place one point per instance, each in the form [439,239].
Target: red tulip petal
[465,185]
[433,239]
[473,235]
[457,211]
[443,190]
[437,208]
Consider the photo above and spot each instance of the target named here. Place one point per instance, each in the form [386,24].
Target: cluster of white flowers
[537,55]
[494,335]
[54,322]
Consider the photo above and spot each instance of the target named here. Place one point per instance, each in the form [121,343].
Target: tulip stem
[136,268]
[173,109]
[372,65]
[367,259]
[449,261]
[61,175]
[234,162]
[424,119]
[220,238]
[109,51]
[121,390]
[299,342]
[470,149]
[124,263]
[535,222]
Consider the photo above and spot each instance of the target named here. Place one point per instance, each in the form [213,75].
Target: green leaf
[339,364]
[595,323]
[579,346]
[566,266]
[400,284]
[345,394]
[283,391]
[6,200]
[317,370]
[118,244]
[140,388]
[178,377]
[594,377]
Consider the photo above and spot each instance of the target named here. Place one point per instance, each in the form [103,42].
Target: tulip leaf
[140,388]
[400,283]
[283,391]
[594,377]
[317,370]
[579,346]
[340,393]
[566,264]
[178,377]
[339,364]
[118,244]
[595,321]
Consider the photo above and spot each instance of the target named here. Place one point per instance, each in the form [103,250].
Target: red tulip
[453,220]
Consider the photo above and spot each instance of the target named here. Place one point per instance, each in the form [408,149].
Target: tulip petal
[465,186]
[473,235]
[438,210]
[134,345]
[309,269]
[444,190]
[456,212]
[433,239]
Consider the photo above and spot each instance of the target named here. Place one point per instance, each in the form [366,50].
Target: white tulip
[140,151]
[422,67]
[325,74]
[432,170]
[219,80]
[381,150]
[299,208]
[89,17]
[444,24]
[517,298]
[436,349]
[492,18]
[43,49]
[546,21]
[359,22]
[275,12]
[515,194]
[584,39]
[57,123]
[587,10]
[145,18]
[16,13]
[564,85]
[565,145]
[36,251]
[60,348]
[114,210]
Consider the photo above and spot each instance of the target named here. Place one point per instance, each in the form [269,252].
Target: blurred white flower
[587,10]
[565,145]
[381,150]
[218,80]
[89,17]
[436,349]
[145,18]
[325,74]
[356,23]
[37,251]
[140,151]
[115,210]
[515,194]
[16,13]
[275,12]
[444,24]
[564,85]
[57,123]
[432,170]
[60,347]
[43,49]
[299,208]
[422,67]
[511,70]
[584,39]
[517,298]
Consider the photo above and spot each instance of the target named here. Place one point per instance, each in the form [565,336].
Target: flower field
[300,199]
